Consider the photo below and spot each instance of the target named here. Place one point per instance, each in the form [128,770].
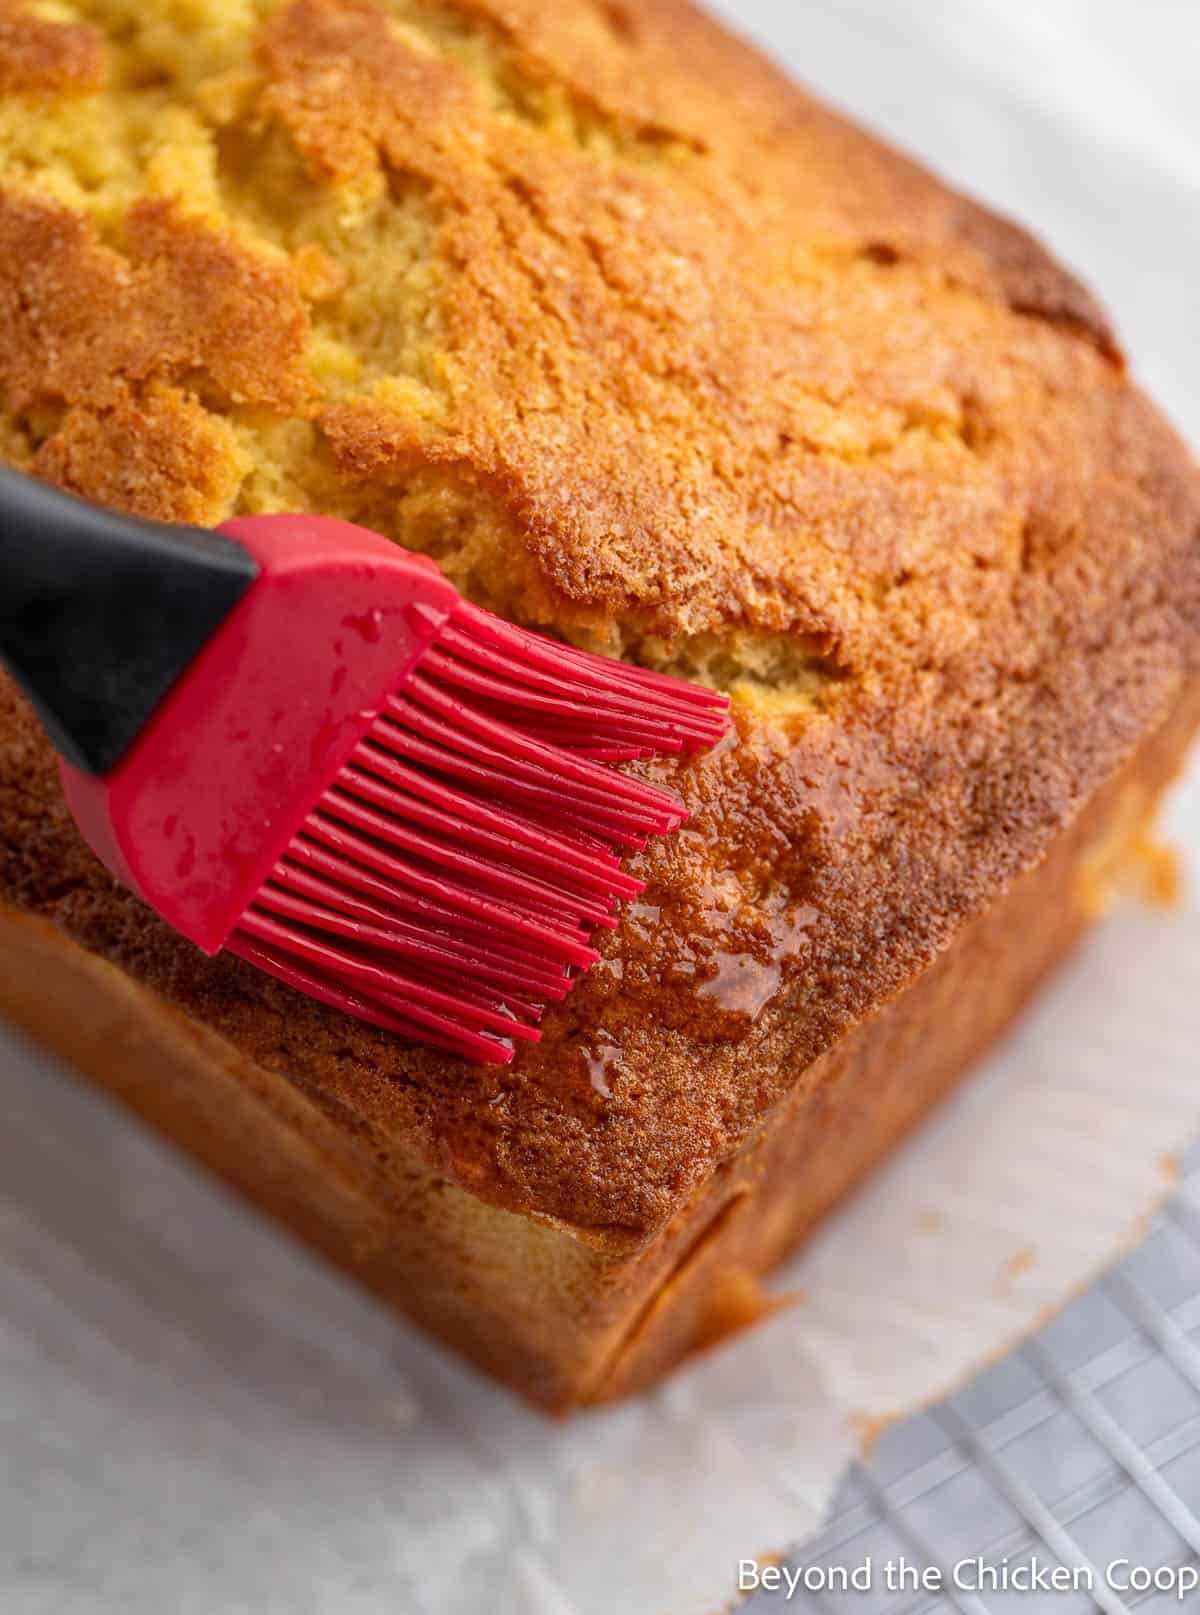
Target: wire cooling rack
[1080,1448]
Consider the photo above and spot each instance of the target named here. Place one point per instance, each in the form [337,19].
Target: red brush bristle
[446,885]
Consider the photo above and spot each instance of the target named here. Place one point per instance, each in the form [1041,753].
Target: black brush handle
[100,613]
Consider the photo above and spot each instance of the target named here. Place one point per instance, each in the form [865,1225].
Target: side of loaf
[568,1319]
[649,349]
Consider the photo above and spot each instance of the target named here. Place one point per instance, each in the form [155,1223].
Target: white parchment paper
[196,1418]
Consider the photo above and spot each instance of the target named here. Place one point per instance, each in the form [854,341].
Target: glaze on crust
[648,346]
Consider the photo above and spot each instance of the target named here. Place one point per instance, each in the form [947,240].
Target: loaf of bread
[651,350]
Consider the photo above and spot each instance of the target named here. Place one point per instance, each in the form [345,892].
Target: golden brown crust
[1033,283]
[87,324]
[37,55]
[162,455]
[678,359]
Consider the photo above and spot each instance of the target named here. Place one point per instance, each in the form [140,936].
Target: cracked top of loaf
[648,347]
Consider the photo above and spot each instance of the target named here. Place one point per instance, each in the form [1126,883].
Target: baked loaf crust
[647,347]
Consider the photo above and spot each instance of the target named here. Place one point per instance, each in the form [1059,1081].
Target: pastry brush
[296,741]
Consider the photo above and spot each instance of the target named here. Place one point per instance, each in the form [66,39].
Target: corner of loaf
[649,349]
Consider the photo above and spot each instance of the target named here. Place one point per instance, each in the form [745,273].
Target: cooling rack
[1079,1449]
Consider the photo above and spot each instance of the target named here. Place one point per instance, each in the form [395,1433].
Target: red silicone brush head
[389,798]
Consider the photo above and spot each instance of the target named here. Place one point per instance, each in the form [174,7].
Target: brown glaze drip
[744,983]
[725,909]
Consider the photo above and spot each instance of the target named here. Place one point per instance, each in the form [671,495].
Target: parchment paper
[198,1419]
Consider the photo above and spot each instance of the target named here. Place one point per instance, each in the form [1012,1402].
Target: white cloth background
[196,1418]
